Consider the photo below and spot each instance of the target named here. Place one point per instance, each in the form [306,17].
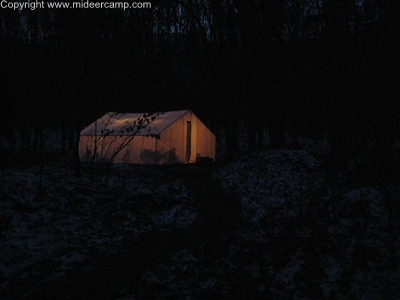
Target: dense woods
[270,69]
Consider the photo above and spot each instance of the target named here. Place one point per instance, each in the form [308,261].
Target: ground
[269,225]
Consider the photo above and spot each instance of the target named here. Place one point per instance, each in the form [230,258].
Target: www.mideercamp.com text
[32,5]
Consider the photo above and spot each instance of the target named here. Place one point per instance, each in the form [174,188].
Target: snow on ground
[64,217]
[271,231]
[333,245]
[271,178]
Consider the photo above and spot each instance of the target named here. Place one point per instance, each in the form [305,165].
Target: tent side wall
[140,149]
[175,138]
[205,141]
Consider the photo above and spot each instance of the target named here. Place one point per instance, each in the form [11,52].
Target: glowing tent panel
[171,137]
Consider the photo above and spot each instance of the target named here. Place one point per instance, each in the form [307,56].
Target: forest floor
[268,225]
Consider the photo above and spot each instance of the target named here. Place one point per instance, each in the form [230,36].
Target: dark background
[262,75]
[319,69]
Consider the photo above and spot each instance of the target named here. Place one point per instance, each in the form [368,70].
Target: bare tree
[110,143]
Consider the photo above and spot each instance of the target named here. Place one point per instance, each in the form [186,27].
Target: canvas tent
[170,137]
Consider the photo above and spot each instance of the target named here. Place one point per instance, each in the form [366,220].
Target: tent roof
[117,123]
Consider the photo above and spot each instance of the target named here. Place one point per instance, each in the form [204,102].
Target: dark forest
[302,201]
[322,69]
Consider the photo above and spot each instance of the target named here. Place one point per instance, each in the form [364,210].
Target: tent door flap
[188,140]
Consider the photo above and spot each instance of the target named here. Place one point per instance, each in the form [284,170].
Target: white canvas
[171,137]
